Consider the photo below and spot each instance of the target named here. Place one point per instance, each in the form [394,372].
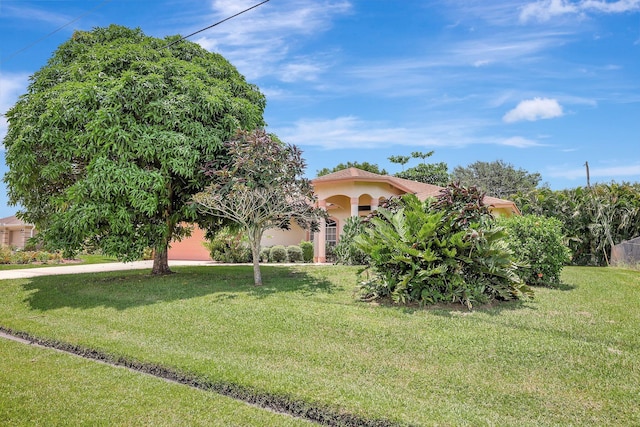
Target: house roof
[11,220]
[349,174]
[420,189]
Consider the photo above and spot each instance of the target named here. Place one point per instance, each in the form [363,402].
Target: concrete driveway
[89,268]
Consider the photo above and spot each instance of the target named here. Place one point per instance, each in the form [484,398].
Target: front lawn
[44,387]
[571,356]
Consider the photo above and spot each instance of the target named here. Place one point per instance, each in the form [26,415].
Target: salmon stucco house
[346,193]
[15,233]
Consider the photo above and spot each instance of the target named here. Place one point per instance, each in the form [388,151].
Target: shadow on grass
[456,309]
[564,287]
[125,289]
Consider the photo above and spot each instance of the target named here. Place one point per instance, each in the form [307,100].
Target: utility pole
[588,181]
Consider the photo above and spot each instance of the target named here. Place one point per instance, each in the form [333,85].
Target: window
[331,231]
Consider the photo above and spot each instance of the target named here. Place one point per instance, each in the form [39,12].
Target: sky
[544,85]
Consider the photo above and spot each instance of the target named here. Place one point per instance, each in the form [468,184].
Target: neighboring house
[15,232]
[349,192]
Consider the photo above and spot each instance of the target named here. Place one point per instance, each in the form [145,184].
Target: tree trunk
[257,274]
[161,261]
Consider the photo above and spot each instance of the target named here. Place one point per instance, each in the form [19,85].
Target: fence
[626,253]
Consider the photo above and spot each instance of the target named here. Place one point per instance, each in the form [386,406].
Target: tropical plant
[346,251]
[106,147]
[594,219]
[438,251]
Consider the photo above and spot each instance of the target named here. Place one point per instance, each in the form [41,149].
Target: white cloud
[260,42]
[352,132]
[621,6]
[305,70]
[534,109]
[545,10]
[33,14]
[520,142]
[11,86]
[342,132]
[481,63]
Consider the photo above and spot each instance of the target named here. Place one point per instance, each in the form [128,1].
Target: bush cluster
[307,251]
[277,253]
[291,253]
[537,244]
[443,250]
[294,253]
[229,246]
[9,256]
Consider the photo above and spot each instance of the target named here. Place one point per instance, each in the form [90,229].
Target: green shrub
[307,251]
[55,257]
[23,257]
[5,255]
[43,257]
[278,253]
[229,246]
[537,244]
[10,256]
[264,254]
[444,250]
[346,251]
[294,253]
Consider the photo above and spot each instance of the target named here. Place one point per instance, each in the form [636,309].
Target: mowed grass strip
[46,387]
[571,356]
[81,260]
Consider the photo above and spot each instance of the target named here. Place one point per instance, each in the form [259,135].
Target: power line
[55,31]
[217,23]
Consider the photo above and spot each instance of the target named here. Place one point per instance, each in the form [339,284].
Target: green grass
[44,387]
[83,260]
[570,357]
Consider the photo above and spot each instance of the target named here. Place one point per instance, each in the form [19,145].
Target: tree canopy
[429,173]
[498,179]
[107,145]
[260,187]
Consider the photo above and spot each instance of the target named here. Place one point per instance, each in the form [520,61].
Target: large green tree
[107,145]
[498,178]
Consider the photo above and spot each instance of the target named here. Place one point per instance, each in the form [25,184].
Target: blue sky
[544,85]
